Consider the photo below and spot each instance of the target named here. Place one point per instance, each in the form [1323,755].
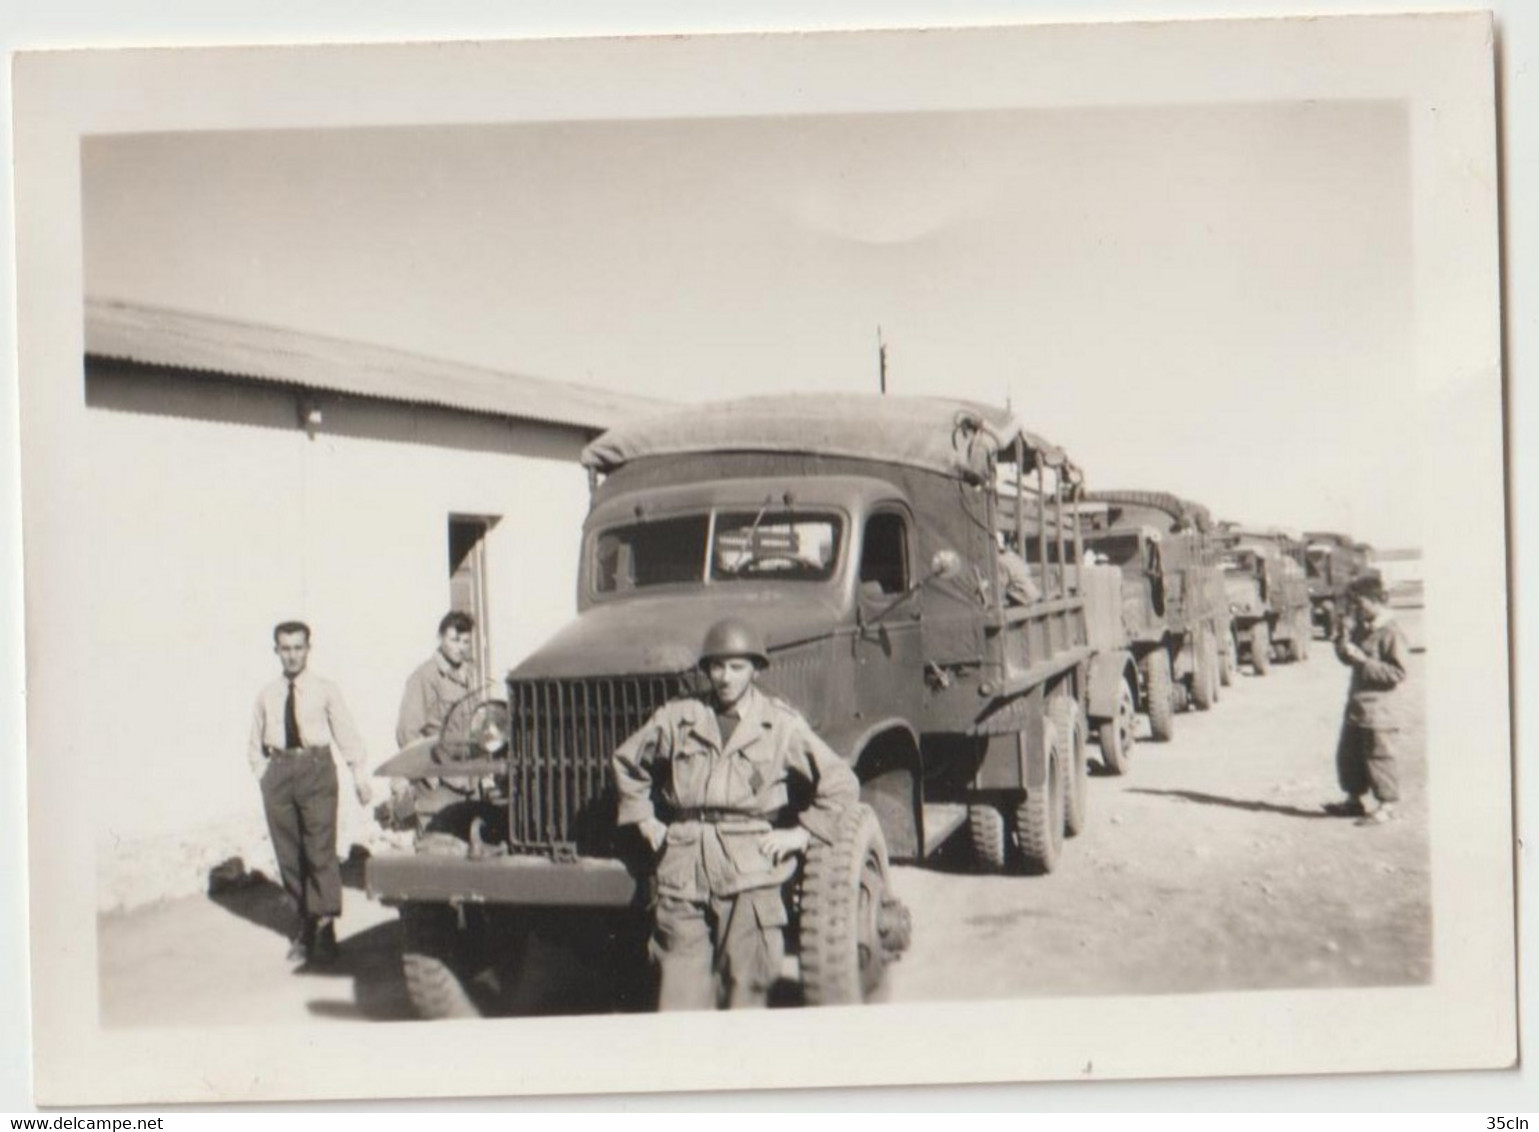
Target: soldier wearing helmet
[708,782]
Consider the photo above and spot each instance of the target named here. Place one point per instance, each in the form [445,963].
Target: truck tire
[986,829]
[1229,657]
[851,926]
[1159,690]
[1039,818]
[432,961]
[1205,671]
[1116,734]
[1070,725]
[1261,648]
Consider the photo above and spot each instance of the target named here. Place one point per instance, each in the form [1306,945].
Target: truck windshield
[1118,550]
[744,546]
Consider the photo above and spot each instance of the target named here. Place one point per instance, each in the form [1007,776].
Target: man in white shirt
[298,719]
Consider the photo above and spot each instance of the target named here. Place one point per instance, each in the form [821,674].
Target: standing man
[445,679]
[298,718]
[708,782]
[1375,649]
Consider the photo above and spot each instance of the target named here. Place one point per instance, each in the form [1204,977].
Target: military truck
[1175,618]
[861,536]
[1332,560]
[1268,597]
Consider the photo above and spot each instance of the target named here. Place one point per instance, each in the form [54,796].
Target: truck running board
[941,820]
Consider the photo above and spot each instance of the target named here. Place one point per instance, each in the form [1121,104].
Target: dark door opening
[467,581]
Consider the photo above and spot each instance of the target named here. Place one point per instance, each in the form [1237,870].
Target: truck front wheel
[1116,734]
[1070,725]
[434,962]
[1159,690]
[851,926]
[1205,674]
[1261,648]
[1039,819]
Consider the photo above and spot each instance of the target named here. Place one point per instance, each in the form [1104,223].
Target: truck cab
[863,537]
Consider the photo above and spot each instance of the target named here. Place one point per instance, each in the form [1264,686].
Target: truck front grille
[564,734]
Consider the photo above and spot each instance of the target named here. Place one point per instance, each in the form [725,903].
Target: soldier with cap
[1375,649]
[708,782]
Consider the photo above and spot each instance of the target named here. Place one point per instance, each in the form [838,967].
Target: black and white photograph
[784,542]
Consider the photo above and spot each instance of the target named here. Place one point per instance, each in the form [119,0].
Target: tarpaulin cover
[1181,511]
[949,437]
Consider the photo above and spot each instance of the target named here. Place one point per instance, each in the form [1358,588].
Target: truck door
[888,655]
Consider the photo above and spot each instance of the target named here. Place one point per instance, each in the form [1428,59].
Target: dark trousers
[1365,761]
[299,793]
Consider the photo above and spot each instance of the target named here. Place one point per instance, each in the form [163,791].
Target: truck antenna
[881,362]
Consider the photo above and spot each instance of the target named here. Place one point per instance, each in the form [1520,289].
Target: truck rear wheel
[1039,818]
[1116,734]
[1261,648]
[1205,671]
[433,961]
[851,926]
[1070,725]
[986,830]
[1159,690]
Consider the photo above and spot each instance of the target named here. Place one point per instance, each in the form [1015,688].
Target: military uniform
[719,937]
[1366,750]
[431,694]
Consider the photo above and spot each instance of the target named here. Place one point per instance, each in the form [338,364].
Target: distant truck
[861,535]
[1175,617]
[1332,560]
[1268,597]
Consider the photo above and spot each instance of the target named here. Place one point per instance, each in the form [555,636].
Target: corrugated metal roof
[157,336]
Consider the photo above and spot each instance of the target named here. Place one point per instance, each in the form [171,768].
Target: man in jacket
[707,782]
[1376,650]
[444,681]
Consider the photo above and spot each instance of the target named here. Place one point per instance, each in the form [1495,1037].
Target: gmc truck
[862,536]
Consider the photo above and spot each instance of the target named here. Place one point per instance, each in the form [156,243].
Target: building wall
[211,515]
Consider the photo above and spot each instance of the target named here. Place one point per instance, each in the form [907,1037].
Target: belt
[297,752]
[716,817]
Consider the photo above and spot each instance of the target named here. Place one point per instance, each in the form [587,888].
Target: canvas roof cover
[951,437]
[1181,510]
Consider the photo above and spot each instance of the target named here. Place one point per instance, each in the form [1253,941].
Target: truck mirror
[945,563]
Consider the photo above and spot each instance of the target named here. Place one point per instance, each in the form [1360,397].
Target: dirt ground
[1209,867]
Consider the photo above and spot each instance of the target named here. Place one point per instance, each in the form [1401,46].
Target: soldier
[1375,648]
[707,782]
[441,682]
[296,721]
[1015,576]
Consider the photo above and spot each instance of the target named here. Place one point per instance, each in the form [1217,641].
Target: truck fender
[1108,671]
[886,759]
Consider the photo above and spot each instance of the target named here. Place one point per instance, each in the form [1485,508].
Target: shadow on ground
[1249,804]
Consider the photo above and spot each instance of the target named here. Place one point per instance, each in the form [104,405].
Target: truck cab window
[653,553]
[884,559]
[775,546]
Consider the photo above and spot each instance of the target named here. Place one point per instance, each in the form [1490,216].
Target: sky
[1215,301]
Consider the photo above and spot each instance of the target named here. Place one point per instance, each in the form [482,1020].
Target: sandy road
[1210,866]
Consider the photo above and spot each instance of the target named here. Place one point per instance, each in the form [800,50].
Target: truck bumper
[590,883]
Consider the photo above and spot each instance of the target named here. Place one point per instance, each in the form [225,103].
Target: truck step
[941,820]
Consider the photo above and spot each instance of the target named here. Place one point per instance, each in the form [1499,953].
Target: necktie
[290,721]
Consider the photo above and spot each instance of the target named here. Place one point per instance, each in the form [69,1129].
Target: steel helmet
[730,637]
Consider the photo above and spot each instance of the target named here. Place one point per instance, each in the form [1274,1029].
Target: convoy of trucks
[865,538]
